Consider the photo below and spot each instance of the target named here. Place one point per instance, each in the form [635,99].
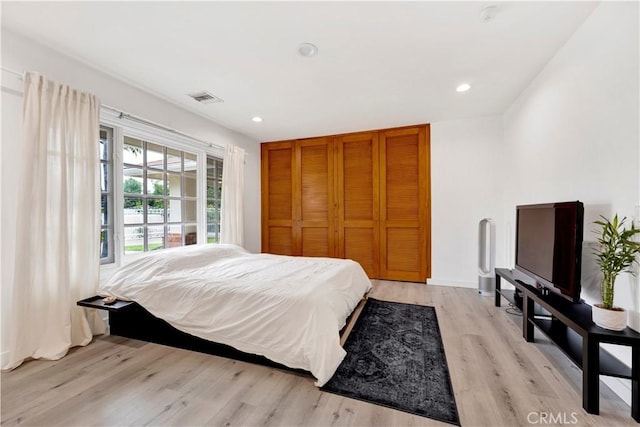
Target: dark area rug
[395,358]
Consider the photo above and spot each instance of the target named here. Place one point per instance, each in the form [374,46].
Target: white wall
[466,186]
[21,54]
[574,134]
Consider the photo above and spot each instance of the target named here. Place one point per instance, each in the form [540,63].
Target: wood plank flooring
[498,380]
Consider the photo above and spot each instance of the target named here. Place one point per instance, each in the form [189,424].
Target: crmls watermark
[547,418]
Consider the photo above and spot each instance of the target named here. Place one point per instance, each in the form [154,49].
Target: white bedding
[288,309]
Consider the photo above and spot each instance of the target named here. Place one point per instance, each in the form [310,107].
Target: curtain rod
[132,117]
[123,115]
[10,71]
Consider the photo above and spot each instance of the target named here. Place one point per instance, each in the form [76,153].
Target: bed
[287,309]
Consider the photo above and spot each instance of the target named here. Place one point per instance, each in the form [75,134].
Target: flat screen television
[549,246]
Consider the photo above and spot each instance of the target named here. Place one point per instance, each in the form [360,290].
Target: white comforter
[288,309]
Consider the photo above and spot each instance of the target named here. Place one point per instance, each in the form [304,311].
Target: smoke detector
[205,97]
[307,50]
[488,14]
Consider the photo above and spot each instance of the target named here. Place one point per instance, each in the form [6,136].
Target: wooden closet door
[314,198]
[357,196]
[278,221]
[404,211]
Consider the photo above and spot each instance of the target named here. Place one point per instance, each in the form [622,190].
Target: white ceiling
[380,64]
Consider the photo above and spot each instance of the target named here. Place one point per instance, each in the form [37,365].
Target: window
[214,191]
[160,188]
[106,195]
[160,196]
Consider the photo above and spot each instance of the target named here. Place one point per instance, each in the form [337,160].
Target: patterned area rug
[395,358]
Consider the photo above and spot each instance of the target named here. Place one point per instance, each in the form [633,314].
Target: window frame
[109,227]
[122,125]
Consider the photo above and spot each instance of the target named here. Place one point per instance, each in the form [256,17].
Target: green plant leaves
[617,252]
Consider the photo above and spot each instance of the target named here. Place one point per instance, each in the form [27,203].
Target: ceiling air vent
[205,97]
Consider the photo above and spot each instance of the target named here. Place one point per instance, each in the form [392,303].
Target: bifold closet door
[363,196]
[357,194]
[278,221]
[314,204]
[404,210]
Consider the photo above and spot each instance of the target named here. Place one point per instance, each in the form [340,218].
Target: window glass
[133,239]
[132,184]
[190,210]
[155,183]
[190,187]
[174,160]
[132,152]
[190,162]
[133,210]
[214,194]
[174,210]
[155,237]
[190,234]
[160,196]
[175,235]
[104,210]
[174,185]
[105,176]
[106,195]
[155,156]
[155,211]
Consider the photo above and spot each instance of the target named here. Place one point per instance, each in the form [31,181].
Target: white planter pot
[615,320]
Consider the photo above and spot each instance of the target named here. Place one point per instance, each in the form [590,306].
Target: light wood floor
[498,380]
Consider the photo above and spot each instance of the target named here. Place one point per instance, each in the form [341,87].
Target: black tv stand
[570,327]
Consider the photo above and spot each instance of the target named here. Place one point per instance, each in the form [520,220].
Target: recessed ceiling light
[257,119]
[307,50]
[463,87]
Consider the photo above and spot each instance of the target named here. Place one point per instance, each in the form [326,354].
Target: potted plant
[616,253]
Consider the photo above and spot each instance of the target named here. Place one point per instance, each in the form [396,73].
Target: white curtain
[232,215]
[57,236]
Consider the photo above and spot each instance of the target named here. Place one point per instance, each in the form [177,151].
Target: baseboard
[451,283]
[619,386]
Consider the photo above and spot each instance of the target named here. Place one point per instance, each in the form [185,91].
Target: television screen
[549,245]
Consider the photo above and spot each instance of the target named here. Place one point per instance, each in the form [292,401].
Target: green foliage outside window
[132,186]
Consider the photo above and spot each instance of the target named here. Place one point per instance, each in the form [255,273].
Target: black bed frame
[131,320]
[135,322]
